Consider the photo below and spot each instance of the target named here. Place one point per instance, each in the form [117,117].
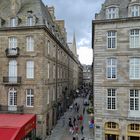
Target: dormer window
[135,10]
[13,22]
[112,12]
[30,21]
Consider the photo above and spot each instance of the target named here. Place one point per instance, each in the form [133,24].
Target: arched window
[12,99]
[134,127]
[111,125]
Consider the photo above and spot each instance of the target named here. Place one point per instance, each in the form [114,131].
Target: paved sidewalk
[61,132]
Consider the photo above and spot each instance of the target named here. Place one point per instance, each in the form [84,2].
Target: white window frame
[111,40]
[135,38]
[12,42]
[12,97]
[30,69]
[30,21]
[54,96]
[135,10]
[113,95]
[29,44]
[134,97]
[30,97]
[48,96]
[111,12]
[13,22]
[134,68]
[111,66]
[48,70]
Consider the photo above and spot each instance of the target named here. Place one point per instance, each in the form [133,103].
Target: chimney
[15,6]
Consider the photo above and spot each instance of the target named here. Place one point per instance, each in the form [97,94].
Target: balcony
[12,52]
[12,80]
[11,109]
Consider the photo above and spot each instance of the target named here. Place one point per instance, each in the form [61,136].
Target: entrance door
[13,71]
[134,138]
[12,100]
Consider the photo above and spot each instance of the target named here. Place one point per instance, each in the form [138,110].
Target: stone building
[87,75]
[36,64]
[116,50]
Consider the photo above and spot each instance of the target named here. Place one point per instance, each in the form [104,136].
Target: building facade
[87,75]
[37,67]
[116,63]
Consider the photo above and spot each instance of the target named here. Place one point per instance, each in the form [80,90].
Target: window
[48,47]
[134,70]
[111,125]
[134,127]
[134,11]
[48,96]
[30,44]
[12,97]
[111,39]
[48,67]
[58,54]
[135,38]
[29,98]
[134,100]
[53,71]
[54,51]
[13,22]
[58,72]
[30,21]
[54,97]
[111,99]
[111,68]
[13,71]
[111,13]
[12,42]
[30,69]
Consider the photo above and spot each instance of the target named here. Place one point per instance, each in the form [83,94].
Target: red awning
[16,126]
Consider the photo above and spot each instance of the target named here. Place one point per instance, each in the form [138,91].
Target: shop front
[17,127]
[111,131]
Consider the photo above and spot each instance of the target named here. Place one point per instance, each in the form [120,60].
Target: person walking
[63,121]
[74,121]
[82,129]
[83,110]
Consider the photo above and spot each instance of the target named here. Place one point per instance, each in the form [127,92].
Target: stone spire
[15,6]
[74,49]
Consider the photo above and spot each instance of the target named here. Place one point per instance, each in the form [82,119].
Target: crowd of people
[75,122]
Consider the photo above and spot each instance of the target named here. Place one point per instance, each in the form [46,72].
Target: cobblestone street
[61,132]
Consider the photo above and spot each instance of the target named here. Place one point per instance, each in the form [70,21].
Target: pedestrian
[76,129]
[74,120]
[76,136]
[83,110]
[82,129]
[63,121]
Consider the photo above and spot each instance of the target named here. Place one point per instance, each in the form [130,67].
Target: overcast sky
[78,15]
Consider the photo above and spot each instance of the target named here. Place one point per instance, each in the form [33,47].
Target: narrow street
[61,132]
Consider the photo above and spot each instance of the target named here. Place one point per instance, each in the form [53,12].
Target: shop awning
[16,126]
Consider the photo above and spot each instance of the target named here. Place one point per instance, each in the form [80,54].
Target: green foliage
[90,110]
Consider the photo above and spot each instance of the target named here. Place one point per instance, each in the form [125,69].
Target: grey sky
[78,15]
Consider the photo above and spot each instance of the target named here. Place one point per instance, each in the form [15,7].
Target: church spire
[74,45]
